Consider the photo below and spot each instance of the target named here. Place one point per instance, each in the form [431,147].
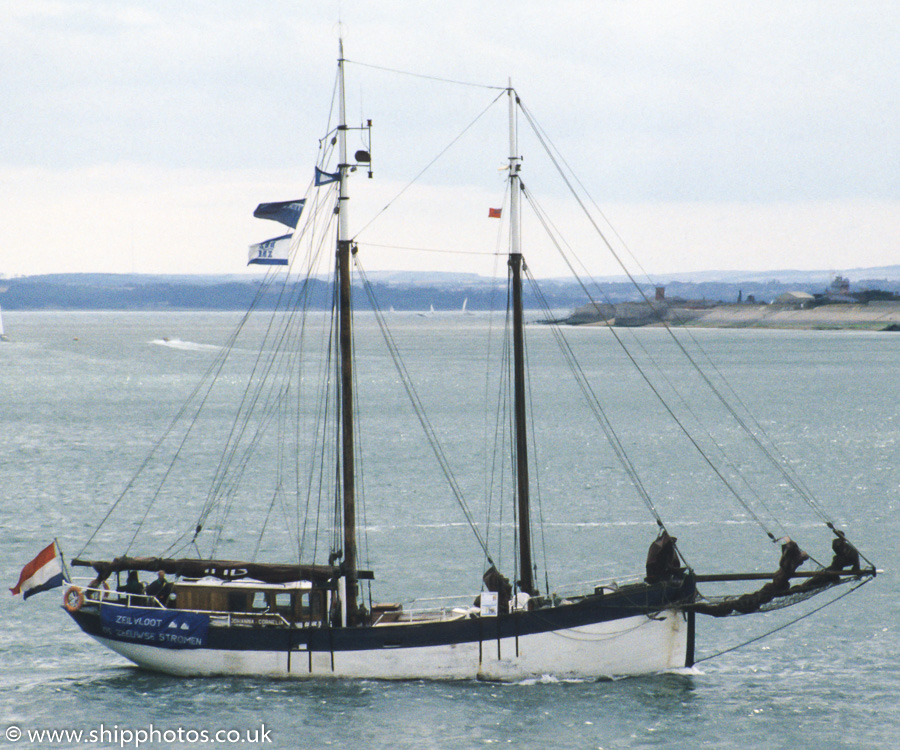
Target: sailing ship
[310,618]
[3,336]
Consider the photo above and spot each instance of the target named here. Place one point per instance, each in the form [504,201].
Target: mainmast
[346,360]
[526,577]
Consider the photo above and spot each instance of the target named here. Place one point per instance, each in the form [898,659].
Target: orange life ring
[99,592]
[73,599]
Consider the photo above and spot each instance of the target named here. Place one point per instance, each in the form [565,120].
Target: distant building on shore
[839,286]
[796,299]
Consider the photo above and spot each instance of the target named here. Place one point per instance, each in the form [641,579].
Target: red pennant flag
[494,213]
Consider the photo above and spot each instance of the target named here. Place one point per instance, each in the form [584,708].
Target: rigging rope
[500,452]
[419,409]
[594,404]
[278,332]
[220,493]
[536,473]
[359,454]
[231,466]
[785,625]
[208,378]
[552,155]
[779,462]
[510,412]
[426,77]
[491,471]
[553,237]
[430,250]
[429,165]
[771,452]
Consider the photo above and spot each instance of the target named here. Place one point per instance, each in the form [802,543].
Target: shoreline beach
[875,316]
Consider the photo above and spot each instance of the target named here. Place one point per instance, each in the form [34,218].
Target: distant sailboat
[427,314]
[464,310]
[3,336]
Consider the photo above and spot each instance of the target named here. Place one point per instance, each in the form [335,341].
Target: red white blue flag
[43,573]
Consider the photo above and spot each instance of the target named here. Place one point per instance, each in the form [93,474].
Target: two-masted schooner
[309,619]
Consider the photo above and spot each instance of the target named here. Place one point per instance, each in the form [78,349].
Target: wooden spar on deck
[225,570]
[719,577]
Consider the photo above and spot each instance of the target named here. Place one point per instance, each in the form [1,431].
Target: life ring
[73,599]
[100,592]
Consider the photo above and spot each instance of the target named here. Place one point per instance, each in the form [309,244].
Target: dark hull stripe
[627,602]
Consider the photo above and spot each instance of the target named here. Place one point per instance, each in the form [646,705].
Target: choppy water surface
[84,395]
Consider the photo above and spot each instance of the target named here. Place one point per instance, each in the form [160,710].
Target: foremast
[345,343]
[526,576]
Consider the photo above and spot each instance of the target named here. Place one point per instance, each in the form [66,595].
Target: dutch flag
[43,573]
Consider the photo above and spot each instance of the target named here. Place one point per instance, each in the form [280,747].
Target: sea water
[83,397]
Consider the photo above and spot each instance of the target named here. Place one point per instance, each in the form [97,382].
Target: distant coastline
[875,316]
[838,306]
[706,303]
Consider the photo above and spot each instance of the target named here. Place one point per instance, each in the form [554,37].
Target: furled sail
[226,570]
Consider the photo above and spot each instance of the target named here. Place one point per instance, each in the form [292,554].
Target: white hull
[629,646]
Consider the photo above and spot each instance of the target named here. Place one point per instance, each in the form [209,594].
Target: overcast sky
[138,136]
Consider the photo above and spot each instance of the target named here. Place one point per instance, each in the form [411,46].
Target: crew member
[663,562]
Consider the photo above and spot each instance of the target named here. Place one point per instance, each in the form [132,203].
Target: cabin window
[259,602]
[283,602]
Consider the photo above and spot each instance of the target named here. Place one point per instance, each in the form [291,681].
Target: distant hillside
[402,291]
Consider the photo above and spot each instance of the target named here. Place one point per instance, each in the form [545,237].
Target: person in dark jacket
[133,586]
[845,554]
[792,557]
[663,562]
[158,589]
